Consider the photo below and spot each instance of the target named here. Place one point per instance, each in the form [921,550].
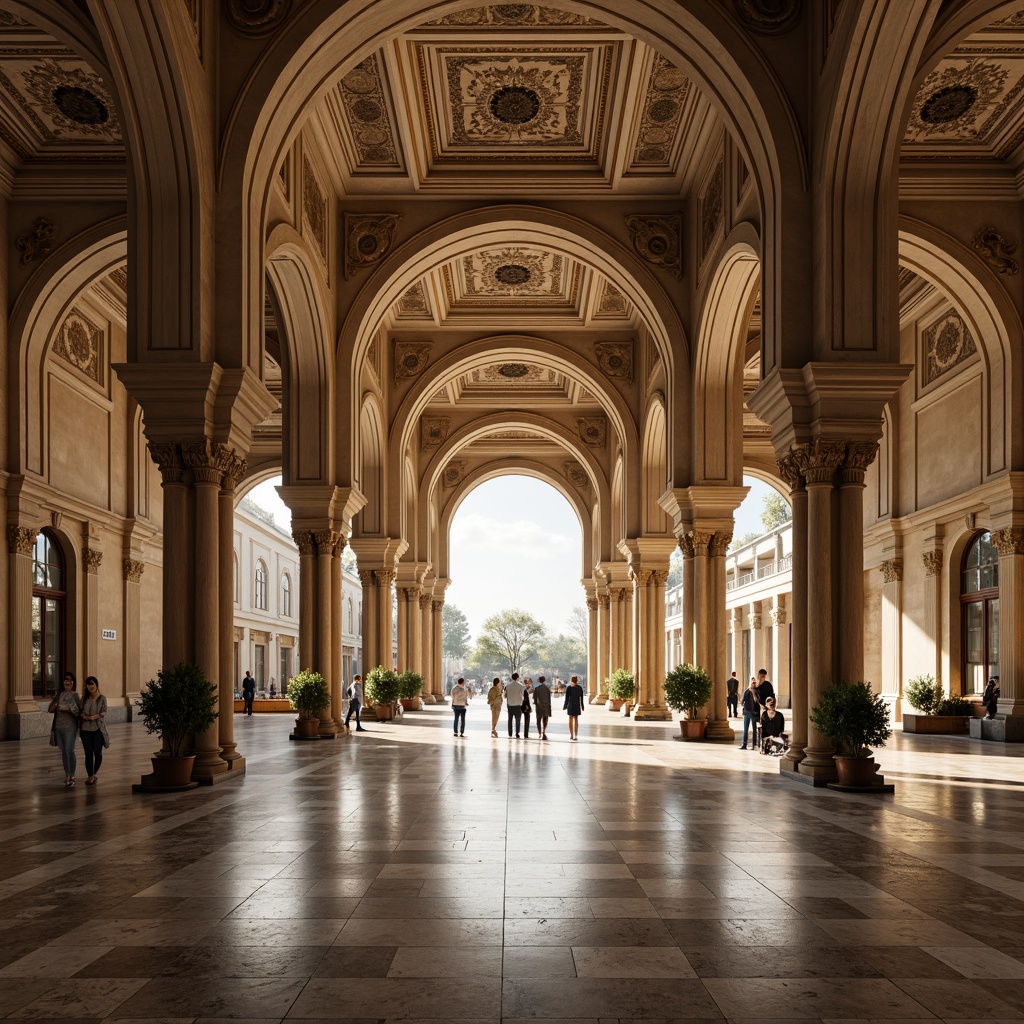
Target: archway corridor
[406,877]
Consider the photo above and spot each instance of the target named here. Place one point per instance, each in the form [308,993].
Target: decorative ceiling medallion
[362,96]
[314,207]
[368,238]
[256,17]
[79,343]
[434,430]
[513,373]
[711,211]
[453,474]
[658,240]
[513,275]
[615,358]
[413,302]
[74,99]
[520,15]
[411,358]
[513,370]
[996,251]
[664,103]
[36,242]
[947,343]
[949,104]
[768,17]
[593,430]
[956,100]
[522,97]
[576,475]
[513,270]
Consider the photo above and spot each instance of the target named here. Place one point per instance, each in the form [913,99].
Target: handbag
[104,734]
[53,730]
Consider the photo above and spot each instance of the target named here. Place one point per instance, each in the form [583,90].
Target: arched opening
[979,613]
[49,614]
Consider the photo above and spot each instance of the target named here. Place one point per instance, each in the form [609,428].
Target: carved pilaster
[932,563]
[777,616]
[1009,541]
[20,540]
[92,559]
[892,570]
[133,570]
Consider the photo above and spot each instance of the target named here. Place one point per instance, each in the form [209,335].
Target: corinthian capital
[819,460]
[20,540]
[686,545]
[700,539]
[305,541]
[93,559]
[859,455]
[720,543]
[167,457]
[789,468]
[932,563]
[892,570]
[1009,541]
[133,570]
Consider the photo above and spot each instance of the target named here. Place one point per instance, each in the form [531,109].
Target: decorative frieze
[996,251]
[932,563]
[36,242]
[132,570]
[892,570]
[92,559]
[615,358]
[411,358]
[1009,541]
[658,240]
[20,540]
[368,238]
[663,107]
[362,96]
[434,430]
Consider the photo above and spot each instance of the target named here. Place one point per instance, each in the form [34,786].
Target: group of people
[523,700]
[75,716]
[759,713]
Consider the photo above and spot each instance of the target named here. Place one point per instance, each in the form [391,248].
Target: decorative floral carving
[819,460]
[701,541]
[93,559]
[720,542]
[947,343]
[167,457]
[954,98]
[411,358]
[20,540]
[133,570]
[434,430]
[36,242]
[79,342]
[513,270]
[74,99]
[208,460]
[769,17]
[892,570]
[1009,541]
[789,467]
[859,455]
[663,107]
[368,238]
[658,240]
[686,545]
[593,430]
[932,562]
[612,301]
[519,15]
[453,474]
[314,207]
[711,210]
[576,475]
[414,303]
[362,95]
[256,17]
[615,358]
[777,616]
[754,620]
[996,251]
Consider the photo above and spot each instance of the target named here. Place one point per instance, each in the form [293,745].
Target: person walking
[495,695]
[573,706]
[542,706]
[355,702]
[94,710]
[66,707]
[514,692]
[460,700]
[732,696]
[248,692]
[751,711]
[527,692]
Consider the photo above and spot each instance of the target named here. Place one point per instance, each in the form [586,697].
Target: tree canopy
[775,511]
[454,631]
[564,656]
[579,626]
[510,637]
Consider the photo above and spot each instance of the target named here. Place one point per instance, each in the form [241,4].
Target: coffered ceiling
[514,93]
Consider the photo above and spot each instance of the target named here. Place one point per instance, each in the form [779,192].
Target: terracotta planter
[614,704]
[384,712]
[415,704]
[307,728]
[693,728]
[172,771]
[856,771]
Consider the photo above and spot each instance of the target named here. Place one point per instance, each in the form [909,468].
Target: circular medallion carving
[256,17]
[513,370]
[616,362]
[662,110]
[768,16]
[359,81]
[372,137]
[657,245]
[514,105]
[80,105]
[377,155]
[411,361]
[368,244]
[366,110]
[948,345]
[668,80]
[649,154]
[512,274]
[949,104]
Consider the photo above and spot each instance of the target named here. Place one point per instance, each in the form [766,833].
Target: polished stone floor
[402,874]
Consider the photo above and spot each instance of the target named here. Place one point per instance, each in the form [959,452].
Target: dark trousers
[514,715]
[247,703]
[355,707]
[526,723]
[459,723]
[93,743]
[542,723]
[732,703]
[749,720]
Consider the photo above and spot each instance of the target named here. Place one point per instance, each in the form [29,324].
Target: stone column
[703,597]
[19,614]
[337,699]
[593,672]
[226,613]
[131,629]
[754,623]
[323,650]
[412,597]
[689,625]
[385,646]
[718,724]
[177,586]
[850,552]
[204,459]
[437,654]
[307,586]
[798,722]
[604,642]
[650,596]
[933,610]
[819,462]
[1009,543]
[427,639]
[736,637]
[92,559]
[892,634]
[619,656]
[403,630]
[779,667]
[370,612]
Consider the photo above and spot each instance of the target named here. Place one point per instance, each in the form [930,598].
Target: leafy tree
[775,511]
[738,542]
[564,656]
[348,559]
[675,569]
[579,626]
[454,632]
[511,637]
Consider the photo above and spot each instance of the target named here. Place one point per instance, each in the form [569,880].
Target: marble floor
[403,874]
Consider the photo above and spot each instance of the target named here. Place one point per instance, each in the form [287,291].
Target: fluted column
[437,689]
[933,612]
[798,722]
[427,639]
[19,615]
[337,701]
[819,462]
[718,714]
[234,470]
[779,667]
[689,625]
[593,672]
[604,646]
[177,586]
[704,640]
[92,559]
[859,455]
[1009,543]
[131,628]
[892,633]
[306,544]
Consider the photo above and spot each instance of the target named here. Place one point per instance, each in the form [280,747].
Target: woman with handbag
[94,737]
[527,693]
[66,708]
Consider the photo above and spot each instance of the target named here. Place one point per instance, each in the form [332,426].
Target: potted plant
[938,713]
[176,705]
[620,689]
[382,690]
[687,689]
[409,686]
[309,695]
[856,718]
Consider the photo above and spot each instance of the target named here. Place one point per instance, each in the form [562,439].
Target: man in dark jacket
[248,692]
[732,696]
[764,687]
[542,705]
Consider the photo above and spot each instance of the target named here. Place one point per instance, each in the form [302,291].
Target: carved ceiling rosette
[256,17]
[947,343]
[36,242]
[768,17]
[615,358]
[434,430]
[79,343]
[996,251]
[593,430]
[368,238]
[411,358]
[73,99]
[658,240]
[576,475]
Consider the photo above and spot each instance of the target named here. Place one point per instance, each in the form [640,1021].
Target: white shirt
[514,693]
[460,696]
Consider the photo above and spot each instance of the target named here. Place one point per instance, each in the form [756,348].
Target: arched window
[351,617]
[237,588]
[48,614]
[260,600]
[286,595]
[979,613]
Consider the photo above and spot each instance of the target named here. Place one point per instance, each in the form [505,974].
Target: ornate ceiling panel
[511,276]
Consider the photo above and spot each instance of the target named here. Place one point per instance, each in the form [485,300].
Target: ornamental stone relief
[434,430]
[132,570]
[513,374]
[996,251]
[362,97]
[892,570]
[612,302]
[947,344]
[615,358]
[658,240]
[453,474]
[520,15]
[413,303]
[513,271]
[79,343]
[576,475]
[932,561]
[314,207]
[711,210]
[368,238]
[1009,541]
[593,430]
[663,106]
[36,242]
[411,358]
[72,100]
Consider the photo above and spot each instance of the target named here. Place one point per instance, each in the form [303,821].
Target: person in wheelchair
[773,737]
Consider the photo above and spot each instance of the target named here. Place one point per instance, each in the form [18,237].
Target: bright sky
[516,543]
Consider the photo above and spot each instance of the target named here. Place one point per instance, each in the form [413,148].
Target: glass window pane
[993,636]
[974,634]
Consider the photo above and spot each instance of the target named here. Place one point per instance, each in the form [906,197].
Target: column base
[821,774]
[651,713]
[1001,729]
[208,766]
[789,761]
[601,698]
[428,698]
[719,729]
[25,723]
[229,753]
[328,730]
[439,698]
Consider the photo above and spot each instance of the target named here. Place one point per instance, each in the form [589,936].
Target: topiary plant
[308,694]
[688,688]
[409,685]
[177,704]
[854,716]
[923,694]
[621,685]
[381,686]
